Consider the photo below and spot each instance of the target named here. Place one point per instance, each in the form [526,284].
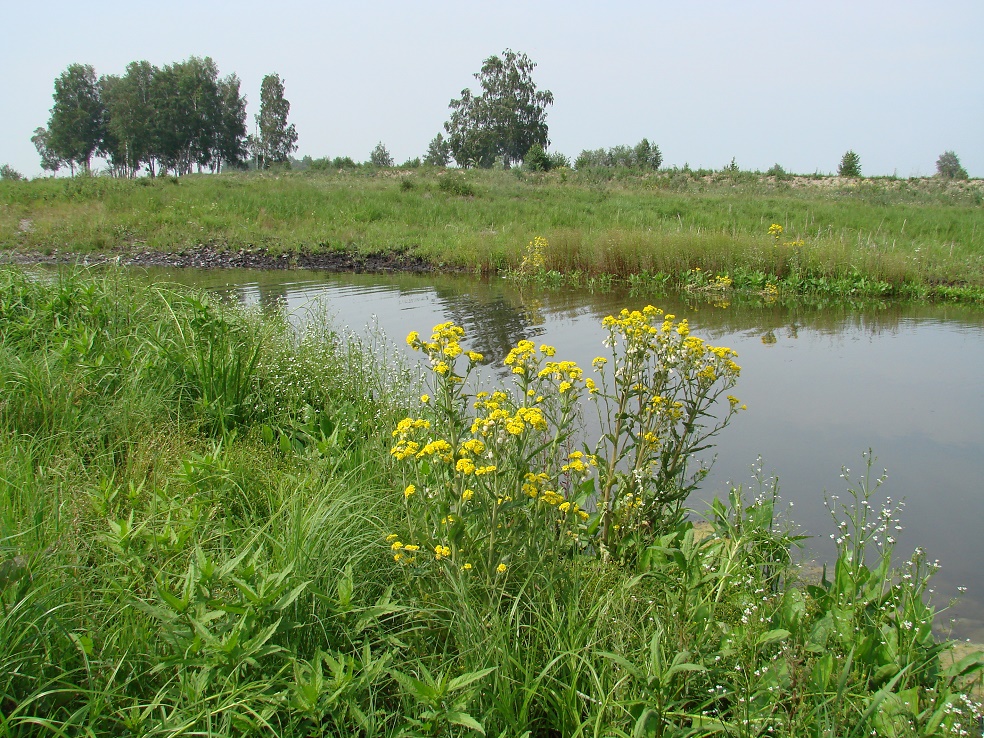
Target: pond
[822,383]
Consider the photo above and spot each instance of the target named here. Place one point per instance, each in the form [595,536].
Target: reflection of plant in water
[769,337]
[533,311]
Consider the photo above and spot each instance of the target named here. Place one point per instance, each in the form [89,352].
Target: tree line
[170,119]
[184,116]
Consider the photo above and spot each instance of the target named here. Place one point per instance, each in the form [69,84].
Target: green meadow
[919,238]
[211,525]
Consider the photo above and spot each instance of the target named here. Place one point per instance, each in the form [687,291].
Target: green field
[212,526]
[876,237]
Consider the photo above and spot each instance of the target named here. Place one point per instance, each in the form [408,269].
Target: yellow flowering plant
[655,416]
[495,475]
[501,478]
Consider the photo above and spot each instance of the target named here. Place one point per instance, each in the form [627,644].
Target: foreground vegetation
[211,525]
[869,237]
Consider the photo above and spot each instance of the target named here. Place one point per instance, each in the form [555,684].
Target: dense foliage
[276,140]
[212,525]
[643,155]
[169,119]
[850,165]
[505,120]
[948,166]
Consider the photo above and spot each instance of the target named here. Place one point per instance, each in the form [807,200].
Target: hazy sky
[794,83]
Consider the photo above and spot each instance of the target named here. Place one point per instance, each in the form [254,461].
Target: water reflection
[823,382]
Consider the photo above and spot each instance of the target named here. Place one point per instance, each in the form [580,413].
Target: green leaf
[465,720]
[465,679]
[779,634]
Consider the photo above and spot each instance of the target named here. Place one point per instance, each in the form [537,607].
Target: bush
[455,184]
[850,165]
[643,155]
[948,166]
[438,152]
[777,171]
[536,159]
[380,157]
[9,174]
[558,160]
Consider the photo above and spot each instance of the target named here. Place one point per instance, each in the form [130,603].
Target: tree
[380,157]
[647,155]
[643,155]
[130,114]
[438,152]
[75,129]
[850,165]
[9,174]
[230,140]
[275,140]
[948,166]
[188,113]
[50,161]
[505,120]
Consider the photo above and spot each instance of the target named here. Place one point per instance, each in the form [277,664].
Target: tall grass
[170,566]
[919,232]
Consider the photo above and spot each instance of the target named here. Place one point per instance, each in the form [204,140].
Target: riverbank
[210,524]
[921,238]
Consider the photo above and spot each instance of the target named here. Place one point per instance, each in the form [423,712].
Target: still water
[822,385]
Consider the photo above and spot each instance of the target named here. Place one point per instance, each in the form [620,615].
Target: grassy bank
[209,525]
[920,238]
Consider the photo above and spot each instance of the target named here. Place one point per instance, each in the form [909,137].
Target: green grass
[192,542]
[909,236]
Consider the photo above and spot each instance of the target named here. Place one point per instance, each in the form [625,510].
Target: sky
[796,83]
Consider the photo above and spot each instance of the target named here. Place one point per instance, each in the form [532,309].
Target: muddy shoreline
[207,257]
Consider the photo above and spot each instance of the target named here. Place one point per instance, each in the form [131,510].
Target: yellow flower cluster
[406,447]
[472,446]
[576,462]
[497,417]
[442,349]
[466,467]
[522,358]
[775,230]
[401,549]
[535,258]
[564,372]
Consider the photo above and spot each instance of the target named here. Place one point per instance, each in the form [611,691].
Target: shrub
[455,184]
[537,159]
[777,171]
[850,165]
[643,155]
[380,157]
[438,152]
[948,166]
[558,160]
[9,174]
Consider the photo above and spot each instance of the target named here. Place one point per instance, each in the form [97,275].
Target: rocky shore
[208,257]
